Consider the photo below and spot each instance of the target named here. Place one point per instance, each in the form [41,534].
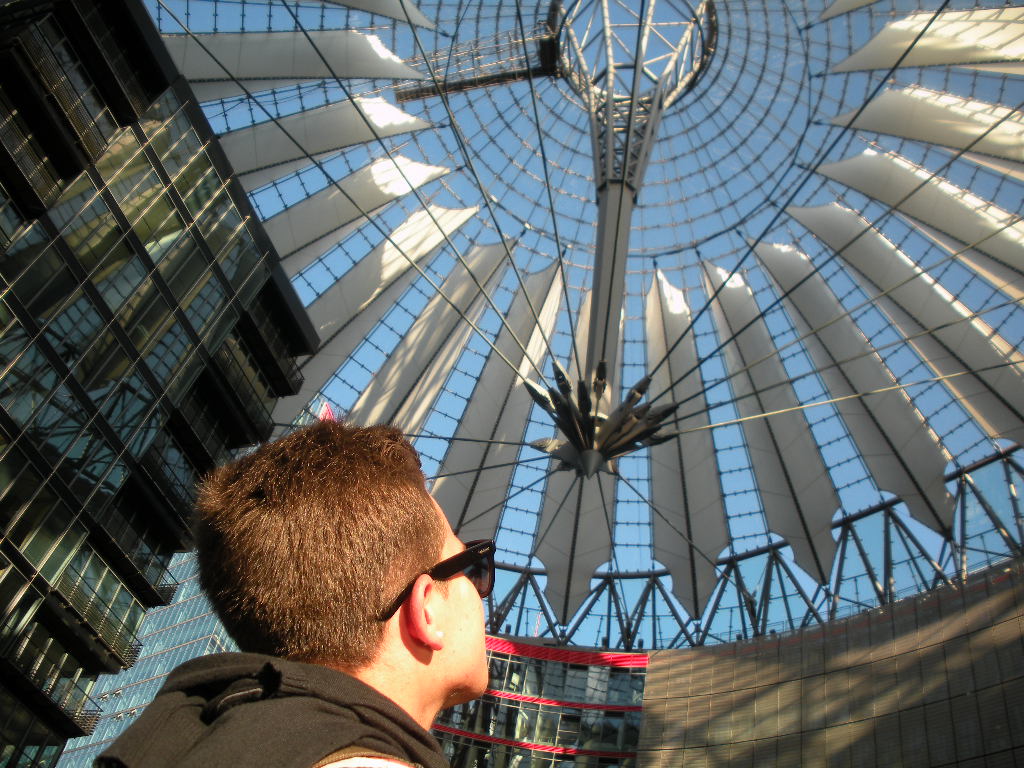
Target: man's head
[303,542]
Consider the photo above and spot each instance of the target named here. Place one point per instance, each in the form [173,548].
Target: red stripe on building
[547,653]
[556,703]
[530,745]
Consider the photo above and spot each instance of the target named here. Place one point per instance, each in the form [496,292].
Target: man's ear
[420,614]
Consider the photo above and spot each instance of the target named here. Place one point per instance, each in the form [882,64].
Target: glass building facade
[141,340]
[548,706]
[170,635]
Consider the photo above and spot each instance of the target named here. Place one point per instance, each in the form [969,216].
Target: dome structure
[708,312]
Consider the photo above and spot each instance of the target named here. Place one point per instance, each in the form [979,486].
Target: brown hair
[304,541]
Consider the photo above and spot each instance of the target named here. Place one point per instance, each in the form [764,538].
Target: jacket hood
[236,708]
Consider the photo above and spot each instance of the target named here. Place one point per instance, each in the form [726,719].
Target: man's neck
[402,688]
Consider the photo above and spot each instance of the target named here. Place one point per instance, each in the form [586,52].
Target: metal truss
[629,66]
[881,557]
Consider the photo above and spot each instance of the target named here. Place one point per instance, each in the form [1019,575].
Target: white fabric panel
[886,427]
[1009,281]
[684,473]
[1003,167]
[263,176]
[1008,68]
[297,261]
[347,311]
[955,37]
[955,347]
[266,151]
[497,410]
[311,223]
[796,490]
[574,537]
[403,10]
[942,118]
[889,178]
[262,60]
[420,363]
[839,7]
[413,239]
[412,413]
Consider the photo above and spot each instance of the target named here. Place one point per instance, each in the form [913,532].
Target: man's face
[464,649]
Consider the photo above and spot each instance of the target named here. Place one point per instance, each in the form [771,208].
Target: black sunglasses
[475,562]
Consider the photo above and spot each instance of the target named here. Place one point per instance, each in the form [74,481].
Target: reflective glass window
[21,252]
[123,165]
[168,351]
[175,467]
[144,189]
[10,219]
[79,193]
[198,291]
[105,361]
[92,233]
[45,524]
[29,381]
[109,605]
[220,223]
[145,546]
[45,284]
[120,276]
[73,330]
[129,409]
[159,227]
[19,483]
[239,259]
[176,143]
[197,183]
[246,376]
[159,112]
[143,314]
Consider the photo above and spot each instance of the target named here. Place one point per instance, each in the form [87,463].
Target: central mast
[628,66]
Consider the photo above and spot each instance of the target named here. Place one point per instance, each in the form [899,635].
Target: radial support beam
[917,193]
[477,470]
[689,515]
[987,39]
[980,368]
[259,61]
[347,311]
[267,151]
[405,387]
[944,119]
[306,230]
[795,487]
[901,452]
